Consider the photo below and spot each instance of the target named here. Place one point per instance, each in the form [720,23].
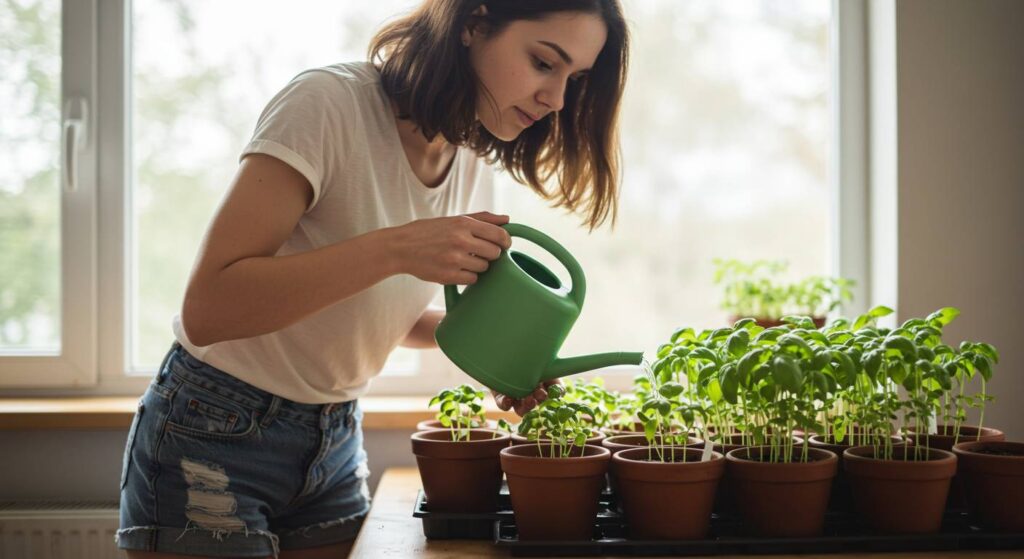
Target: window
[725,126]
[725,139]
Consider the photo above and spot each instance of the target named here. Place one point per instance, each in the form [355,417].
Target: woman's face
[527,65]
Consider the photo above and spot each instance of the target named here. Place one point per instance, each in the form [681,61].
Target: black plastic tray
[842,533]
[480,526]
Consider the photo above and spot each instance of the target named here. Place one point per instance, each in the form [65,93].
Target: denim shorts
[215,466]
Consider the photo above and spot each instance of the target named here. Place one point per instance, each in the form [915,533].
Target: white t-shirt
[336,127]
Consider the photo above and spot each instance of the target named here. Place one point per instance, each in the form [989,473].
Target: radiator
[44,530]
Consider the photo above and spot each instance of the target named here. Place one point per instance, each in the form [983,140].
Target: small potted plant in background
[755,290]
[555,481]
[667,489]
[902,488]
[459,465]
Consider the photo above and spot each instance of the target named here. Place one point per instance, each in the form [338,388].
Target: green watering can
[505,330]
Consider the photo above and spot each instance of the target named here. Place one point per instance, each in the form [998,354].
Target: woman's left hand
[523,405]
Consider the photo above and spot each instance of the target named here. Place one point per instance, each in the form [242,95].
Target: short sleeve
[302,126]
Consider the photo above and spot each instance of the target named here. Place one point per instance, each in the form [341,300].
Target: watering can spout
[572,365]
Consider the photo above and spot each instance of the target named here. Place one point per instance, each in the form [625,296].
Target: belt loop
[349,422]
[275,404]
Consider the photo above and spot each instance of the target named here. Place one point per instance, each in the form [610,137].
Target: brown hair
[426,71]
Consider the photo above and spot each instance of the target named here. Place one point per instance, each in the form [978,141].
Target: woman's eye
[540,64]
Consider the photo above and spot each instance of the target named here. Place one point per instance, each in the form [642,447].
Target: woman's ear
[473,25]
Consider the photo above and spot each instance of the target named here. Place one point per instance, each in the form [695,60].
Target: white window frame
[95,216]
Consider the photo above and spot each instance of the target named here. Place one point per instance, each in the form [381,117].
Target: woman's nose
[553,96]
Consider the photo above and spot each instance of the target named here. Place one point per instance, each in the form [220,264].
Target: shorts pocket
[129,445]
[200,413]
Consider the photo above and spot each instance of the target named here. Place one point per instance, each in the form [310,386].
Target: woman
[349,208]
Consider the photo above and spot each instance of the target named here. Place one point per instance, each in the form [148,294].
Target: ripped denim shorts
[215,466]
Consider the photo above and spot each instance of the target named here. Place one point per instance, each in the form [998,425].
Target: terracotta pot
[900,496]
[555,498]
[840,497]
[432,424]
[765,322]
[993,476]
[782,499]
[725,498]
[462,476]
[945,440]
[518,439]
[667,500]
[625,442]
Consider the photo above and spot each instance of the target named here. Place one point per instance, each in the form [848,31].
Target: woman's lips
[524,118]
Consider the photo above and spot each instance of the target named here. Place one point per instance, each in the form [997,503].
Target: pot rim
[595,452]
[623,456]
[422,436]
[422,425]
[597,437]
[517,460]
[610,440]
[825,456]
[968,460]
[973,446]
[626,466]
[857,464]
[983,431]
[814,471]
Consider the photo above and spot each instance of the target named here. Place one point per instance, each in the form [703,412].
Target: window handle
[72,141]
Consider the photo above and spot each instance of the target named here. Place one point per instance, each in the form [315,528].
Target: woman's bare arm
[239,289]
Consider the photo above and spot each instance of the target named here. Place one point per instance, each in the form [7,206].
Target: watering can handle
[579,282]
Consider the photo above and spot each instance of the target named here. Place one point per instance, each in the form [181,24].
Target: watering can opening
[536,270]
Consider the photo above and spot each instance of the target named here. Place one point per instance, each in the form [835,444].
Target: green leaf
[786,373]
[730,384]
[872,362]
[649,430]
[705,354]
[719,333]
[748,362]
[943,316]
[905,347]
[683,333]
[671,389]
[821,359]
[737,342]
[769,335]
[790,340]
[714,391]
[983,365]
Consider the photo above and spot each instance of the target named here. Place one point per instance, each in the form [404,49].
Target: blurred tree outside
[29,175]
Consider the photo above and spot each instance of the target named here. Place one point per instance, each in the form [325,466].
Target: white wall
[960,171]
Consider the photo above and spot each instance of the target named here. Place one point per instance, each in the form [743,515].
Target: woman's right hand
[451,250]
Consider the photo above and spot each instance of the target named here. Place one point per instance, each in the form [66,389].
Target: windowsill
[379,412]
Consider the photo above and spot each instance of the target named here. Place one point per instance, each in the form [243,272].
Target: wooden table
[390,531]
